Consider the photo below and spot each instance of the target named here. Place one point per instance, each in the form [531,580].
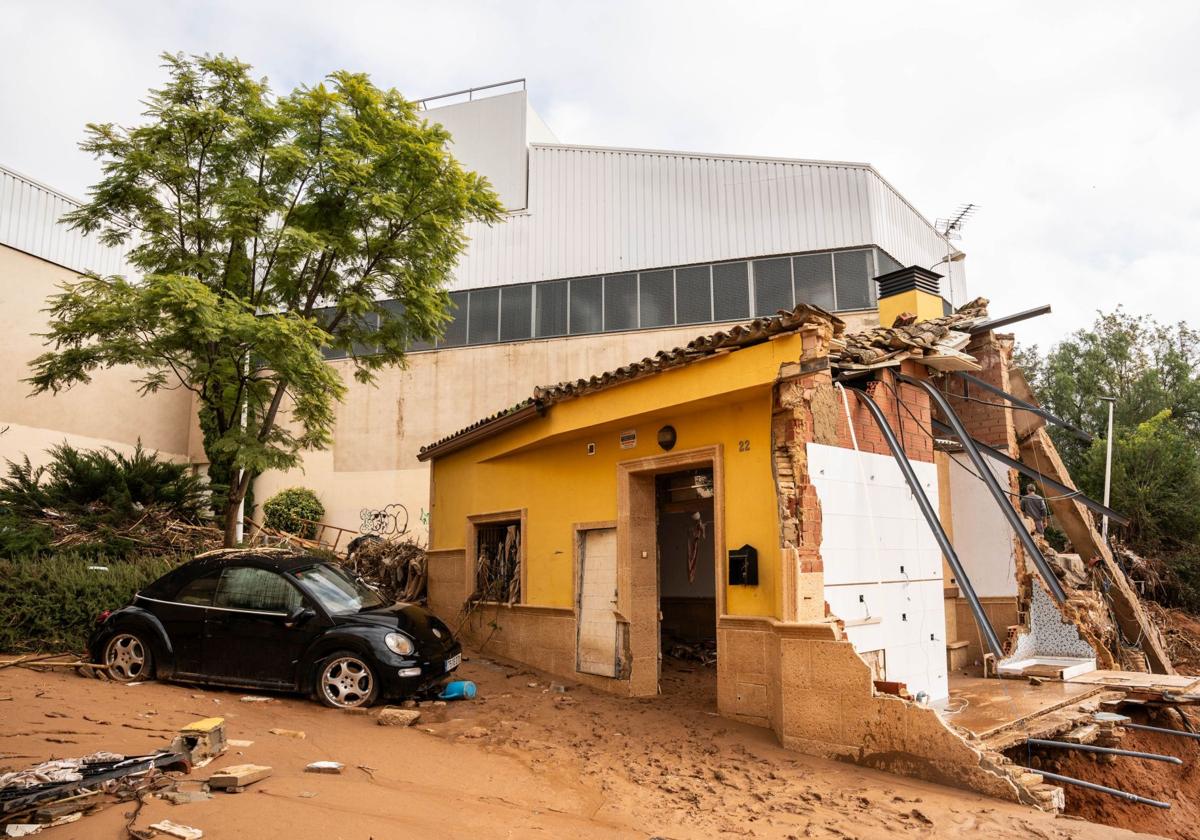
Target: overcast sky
[1076,126]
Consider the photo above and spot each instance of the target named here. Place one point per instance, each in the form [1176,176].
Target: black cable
[970,471]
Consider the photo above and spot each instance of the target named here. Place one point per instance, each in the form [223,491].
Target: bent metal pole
[993,486]
[935,525]
[1092,748]
[1111,791]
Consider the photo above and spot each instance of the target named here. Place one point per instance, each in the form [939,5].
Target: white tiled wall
[883,568]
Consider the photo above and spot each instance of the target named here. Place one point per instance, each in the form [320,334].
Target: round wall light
[666,437]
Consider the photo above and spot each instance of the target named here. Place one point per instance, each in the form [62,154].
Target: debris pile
[704,652]
[155,530]
[397,568]
[62,789]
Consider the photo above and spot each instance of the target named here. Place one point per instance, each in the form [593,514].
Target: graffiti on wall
[387,521]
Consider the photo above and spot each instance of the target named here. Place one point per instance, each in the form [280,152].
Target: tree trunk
[232,506]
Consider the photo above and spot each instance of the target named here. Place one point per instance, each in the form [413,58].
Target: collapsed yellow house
[804,497]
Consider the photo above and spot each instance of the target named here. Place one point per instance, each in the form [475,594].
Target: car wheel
[128,658]
[346,681]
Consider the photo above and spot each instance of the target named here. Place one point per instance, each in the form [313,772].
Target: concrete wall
[491,137]
[106,412]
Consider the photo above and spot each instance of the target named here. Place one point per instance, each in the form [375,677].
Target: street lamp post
[1107,466]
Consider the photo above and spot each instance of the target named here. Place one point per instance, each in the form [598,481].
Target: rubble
[330,767]
[396,567]
[60,788]
[202,740]
[391,716]
[289,733]
[236,778]
[183,832]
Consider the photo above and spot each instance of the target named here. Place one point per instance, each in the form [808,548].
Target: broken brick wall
[909,419]
[991,420]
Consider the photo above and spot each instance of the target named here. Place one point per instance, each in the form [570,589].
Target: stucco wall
[106,412]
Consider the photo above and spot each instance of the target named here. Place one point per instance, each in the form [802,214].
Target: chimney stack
[914,290]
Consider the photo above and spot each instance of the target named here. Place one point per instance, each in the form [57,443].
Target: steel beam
[993,486]
[1111,791]
[1004,321]
[1020,403]
[942,429]
[935,525]
[1161,729]
[1092,748]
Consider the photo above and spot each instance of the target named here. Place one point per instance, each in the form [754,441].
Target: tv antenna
[951,227]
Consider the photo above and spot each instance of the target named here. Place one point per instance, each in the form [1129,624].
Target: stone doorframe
[637,553]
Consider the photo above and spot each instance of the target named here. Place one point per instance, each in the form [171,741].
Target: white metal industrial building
[605,255]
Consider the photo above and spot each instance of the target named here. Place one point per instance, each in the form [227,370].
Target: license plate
[453,662]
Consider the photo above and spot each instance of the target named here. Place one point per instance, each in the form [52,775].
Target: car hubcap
[126,658]
[347,682]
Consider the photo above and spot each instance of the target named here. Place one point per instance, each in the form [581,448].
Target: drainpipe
[993,486]
[935,525]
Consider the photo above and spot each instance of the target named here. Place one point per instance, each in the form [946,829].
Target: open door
[597,648]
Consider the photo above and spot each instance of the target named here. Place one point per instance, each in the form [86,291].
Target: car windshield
[336,590]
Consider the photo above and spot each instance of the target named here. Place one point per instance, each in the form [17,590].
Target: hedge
[51,603]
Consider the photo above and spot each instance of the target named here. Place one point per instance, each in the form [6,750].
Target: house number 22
[743,446]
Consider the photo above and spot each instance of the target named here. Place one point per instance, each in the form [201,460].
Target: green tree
[1147,366]
[267,228]
[1155,482]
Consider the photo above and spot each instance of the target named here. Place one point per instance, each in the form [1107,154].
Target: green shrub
[98,492]
[51,603]
[285,509]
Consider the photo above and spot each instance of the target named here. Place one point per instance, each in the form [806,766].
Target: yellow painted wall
[924,305]
[543,466]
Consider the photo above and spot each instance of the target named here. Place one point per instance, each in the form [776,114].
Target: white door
[596,641]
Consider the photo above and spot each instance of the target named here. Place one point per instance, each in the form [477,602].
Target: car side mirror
[298,616]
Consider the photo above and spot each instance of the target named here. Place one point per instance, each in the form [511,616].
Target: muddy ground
[522,760]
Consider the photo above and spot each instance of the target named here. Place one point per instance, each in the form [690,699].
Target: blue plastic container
[458,690]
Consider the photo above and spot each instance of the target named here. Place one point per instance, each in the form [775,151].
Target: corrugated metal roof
[605,210]
[29,221]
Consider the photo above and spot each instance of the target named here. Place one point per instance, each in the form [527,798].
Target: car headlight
[399,643]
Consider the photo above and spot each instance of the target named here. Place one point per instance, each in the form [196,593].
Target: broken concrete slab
[289,733]
[183,832]
[330,767]
[391,716]
[237,777]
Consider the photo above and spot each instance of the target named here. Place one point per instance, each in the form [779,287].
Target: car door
[247,637]
[183,618]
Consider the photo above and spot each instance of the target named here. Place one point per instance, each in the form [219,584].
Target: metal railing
[468,92]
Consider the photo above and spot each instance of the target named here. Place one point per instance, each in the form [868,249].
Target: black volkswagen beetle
[275,619]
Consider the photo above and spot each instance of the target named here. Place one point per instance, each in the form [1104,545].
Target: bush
[51,603]
[99,492]
[285,509]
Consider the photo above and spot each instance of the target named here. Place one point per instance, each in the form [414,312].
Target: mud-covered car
[276,619]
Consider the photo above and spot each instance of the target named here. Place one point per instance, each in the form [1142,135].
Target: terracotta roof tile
[735,338]
[865,348]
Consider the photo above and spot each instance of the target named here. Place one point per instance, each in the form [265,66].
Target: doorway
[639,606]
[687,584]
